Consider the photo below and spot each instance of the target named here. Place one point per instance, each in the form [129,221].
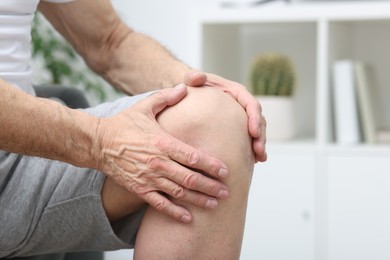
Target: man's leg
[212,121]
[207,119]
[49,206]
[72,98]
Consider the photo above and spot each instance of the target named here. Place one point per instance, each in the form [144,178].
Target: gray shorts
[49,206]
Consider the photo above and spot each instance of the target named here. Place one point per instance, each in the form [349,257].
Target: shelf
[313,35]
[295,12]
[366,41]
[366,150]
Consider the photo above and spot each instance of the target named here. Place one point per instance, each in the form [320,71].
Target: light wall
[165,21]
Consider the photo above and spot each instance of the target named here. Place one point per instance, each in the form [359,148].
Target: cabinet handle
[306,216]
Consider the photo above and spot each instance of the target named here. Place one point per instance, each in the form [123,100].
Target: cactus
[272,74]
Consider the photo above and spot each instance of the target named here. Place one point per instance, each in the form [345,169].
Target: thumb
[195,78]
[163,98]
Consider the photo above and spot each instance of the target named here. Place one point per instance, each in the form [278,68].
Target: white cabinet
[280,223]
[320,201]
[359,208]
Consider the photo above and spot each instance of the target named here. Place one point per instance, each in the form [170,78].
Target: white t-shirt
[15,38]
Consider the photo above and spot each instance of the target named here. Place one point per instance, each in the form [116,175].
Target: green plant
[60,62]
[272,74]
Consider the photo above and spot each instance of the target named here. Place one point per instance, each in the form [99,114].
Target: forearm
[130,61]
[45,128]
[141,64]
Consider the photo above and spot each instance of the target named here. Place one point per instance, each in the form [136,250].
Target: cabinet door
[359,208]
[279,224]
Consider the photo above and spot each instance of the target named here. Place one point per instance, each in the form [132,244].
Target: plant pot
[280,115]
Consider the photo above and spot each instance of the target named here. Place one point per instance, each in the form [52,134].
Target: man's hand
[256,121]
[139,155]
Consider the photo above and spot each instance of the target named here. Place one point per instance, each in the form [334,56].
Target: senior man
[81,180]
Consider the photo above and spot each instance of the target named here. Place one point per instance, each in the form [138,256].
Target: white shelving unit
[313,199]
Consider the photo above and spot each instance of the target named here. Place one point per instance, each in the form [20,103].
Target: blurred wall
[164,20]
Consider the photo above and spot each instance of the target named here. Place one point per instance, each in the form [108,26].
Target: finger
[192,158]
[244,98]
[195,78]
[198,182]
[163,98]
[199,200]
[191,180]
[263,158]
[253,110]
[260,151]
[192,197]
[259,144]
[164,205]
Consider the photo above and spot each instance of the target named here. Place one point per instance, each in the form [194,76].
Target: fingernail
[222,173]
[211,204]
[180,86]
[196,73]
[223,194]
[186,218]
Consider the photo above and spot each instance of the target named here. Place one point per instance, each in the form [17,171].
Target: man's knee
[204,111]
[216,123]
[212,121]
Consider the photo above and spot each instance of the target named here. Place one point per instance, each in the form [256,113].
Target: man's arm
[144,162]
[130,61]
[135,63]
[45,128]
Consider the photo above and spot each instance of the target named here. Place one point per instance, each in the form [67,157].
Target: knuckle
[173,148]
[199,201]
[190,181]
[159,141]
[160,205]
[155,163]
[241,86]
[138,189]
[263,121]
[165,144]
[192,157]
[214,168]
[261,149]
[214,189]
[178,192]
[258,105]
